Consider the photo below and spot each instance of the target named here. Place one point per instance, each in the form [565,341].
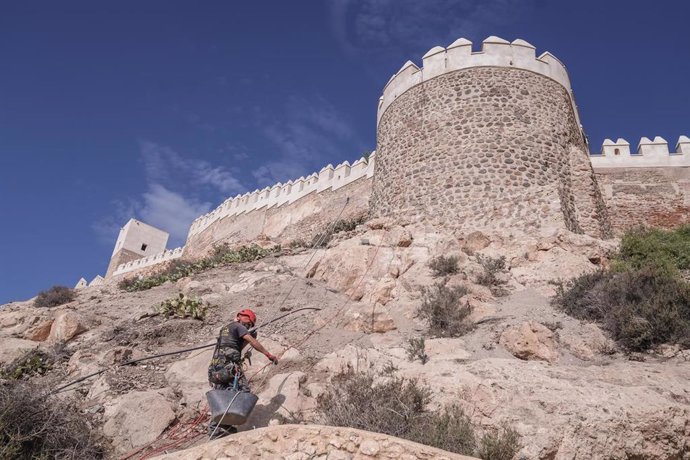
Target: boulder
[400,237]
[283,401]
[40,332]
[475,241]
[137,418]
[189,376]
[66,326]
[530,341]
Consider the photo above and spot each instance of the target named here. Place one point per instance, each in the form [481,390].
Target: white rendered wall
[135,234]
[649,154]
[154,259]
[329,178]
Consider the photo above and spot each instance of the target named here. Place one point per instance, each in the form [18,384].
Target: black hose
[127,363]
[134,361]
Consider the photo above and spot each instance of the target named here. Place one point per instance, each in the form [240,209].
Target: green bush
[184,307]
[441,308]
[442,265]
[222,255]
[57,295]
[399,407]
[35,427]
[667,250]
[640,308]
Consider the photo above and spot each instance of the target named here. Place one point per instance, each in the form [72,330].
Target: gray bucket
[238,413]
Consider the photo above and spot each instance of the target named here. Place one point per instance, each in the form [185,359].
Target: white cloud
[308,133]
[174,185]
[165,165]
[171,211]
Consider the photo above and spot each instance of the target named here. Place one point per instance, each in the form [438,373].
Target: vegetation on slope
[57,295]
[222,255]
[399,407]
[33,426]
[34,362]
[643,300]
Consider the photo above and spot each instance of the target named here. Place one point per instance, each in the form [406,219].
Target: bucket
[240,407]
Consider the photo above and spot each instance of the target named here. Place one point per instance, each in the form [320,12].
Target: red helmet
[249,314]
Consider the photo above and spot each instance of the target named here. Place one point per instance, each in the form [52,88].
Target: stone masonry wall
[656,197]
[122,256]
[486,148]
[298,442]
[301,219]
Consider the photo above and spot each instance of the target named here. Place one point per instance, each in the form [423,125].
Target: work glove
[272,358]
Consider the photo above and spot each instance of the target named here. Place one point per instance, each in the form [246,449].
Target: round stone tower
[486,141]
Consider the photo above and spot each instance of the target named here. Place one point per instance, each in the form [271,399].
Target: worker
[225,370]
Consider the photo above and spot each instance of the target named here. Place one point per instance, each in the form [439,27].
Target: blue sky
[162,109]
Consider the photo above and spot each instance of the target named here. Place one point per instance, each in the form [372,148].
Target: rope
[317,244]
[224,413]
[127,363]
[335,315]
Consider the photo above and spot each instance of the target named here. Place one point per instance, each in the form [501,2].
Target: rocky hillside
[566,388]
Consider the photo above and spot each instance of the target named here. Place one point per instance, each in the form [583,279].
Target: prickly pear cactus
[184,307]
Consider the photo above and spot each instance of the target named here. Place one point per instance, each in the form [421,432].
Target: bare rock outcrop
[530,340]
[137,418]
[189,376]
[301,442]
[11,349]
[66,326]
[40,332]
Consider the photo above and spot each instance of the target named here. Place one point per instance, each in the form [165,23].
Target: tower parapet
[495,52]
[649,154]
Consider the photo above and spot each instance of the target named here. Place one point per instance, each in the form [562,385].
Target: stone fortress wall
[650,186]
[472,141]
[284,212]
[485,141]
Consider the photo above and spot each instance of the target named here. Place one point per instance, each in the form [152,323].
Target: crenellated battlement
[328,178]
[168,254]
[495,52]
[650,154]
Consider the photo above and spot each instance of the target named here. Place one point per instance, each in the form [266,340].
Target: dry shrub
[32,426]
[57,295]
[321,240]
[640,308]
[416,349]
[491,268]
[500,446]
[397,407]
[442,309]
[443,266]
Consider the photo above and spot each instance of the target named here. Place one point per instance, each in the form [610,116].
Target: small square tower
[136,240]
